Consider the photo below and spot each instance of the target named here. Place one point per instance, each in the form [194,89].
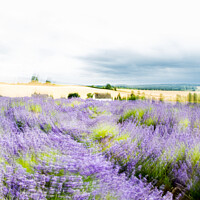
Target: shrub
[89,95]
[73,95]
[132,97]
[48,81]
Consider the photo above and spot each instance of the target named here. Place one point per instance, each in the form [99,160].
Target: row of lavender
[77,149]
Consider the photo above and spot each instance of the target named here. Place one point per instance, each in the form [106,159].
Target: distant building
[102,96]
[41,95]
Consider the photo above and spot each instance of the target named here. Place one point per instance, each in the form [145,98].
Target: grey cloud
[143,68]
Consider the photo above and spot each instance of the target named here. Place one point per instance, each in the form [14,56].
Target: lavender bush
[86,149]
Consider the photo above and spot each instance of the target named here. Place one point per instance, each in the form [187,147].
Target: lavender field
[86,149]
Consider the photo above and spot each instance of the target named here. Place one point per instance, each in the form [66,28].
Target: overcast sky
[98,42]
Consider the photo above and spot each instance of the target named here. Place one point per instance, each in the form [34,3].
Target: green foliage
[150,121]
[135,113]
[72,104]
[34,78]
[143,98]
[89,95]
[118,97]
[195,97]
[114,88]
[20,125]
[108,87]
[73,95]
[27,162]
[94,109]
[161,98]
[156,170]
[96,112]
[35,108]
[178,98]
[122,137]
[184,123]
[48,81]
[160,169]
[31,159]
[48,157]
[132,97]
[190,98]
[57,103]
[195,189]
[104,131]
[46,128]
[17,104]
[194,156]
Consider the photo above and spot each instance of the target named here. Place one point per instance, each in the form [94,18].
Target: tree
[34,78]
[119,97]
[48,81]
[195,98]
[108,87]
[190,98]
[198,98]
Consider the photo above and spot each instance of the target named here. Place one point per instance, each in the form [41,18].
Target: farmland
[57,91]
[86,149]
[60,91]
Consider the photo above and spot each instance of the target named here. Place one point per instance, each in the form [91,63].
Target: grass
[27,162]
[133,113]
[194,156]
[104,131]
[35,108]
[138,114]
[184,123]
[31,159]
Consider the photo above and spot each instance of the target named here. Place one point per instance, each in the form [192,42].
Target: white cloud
[49,37]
